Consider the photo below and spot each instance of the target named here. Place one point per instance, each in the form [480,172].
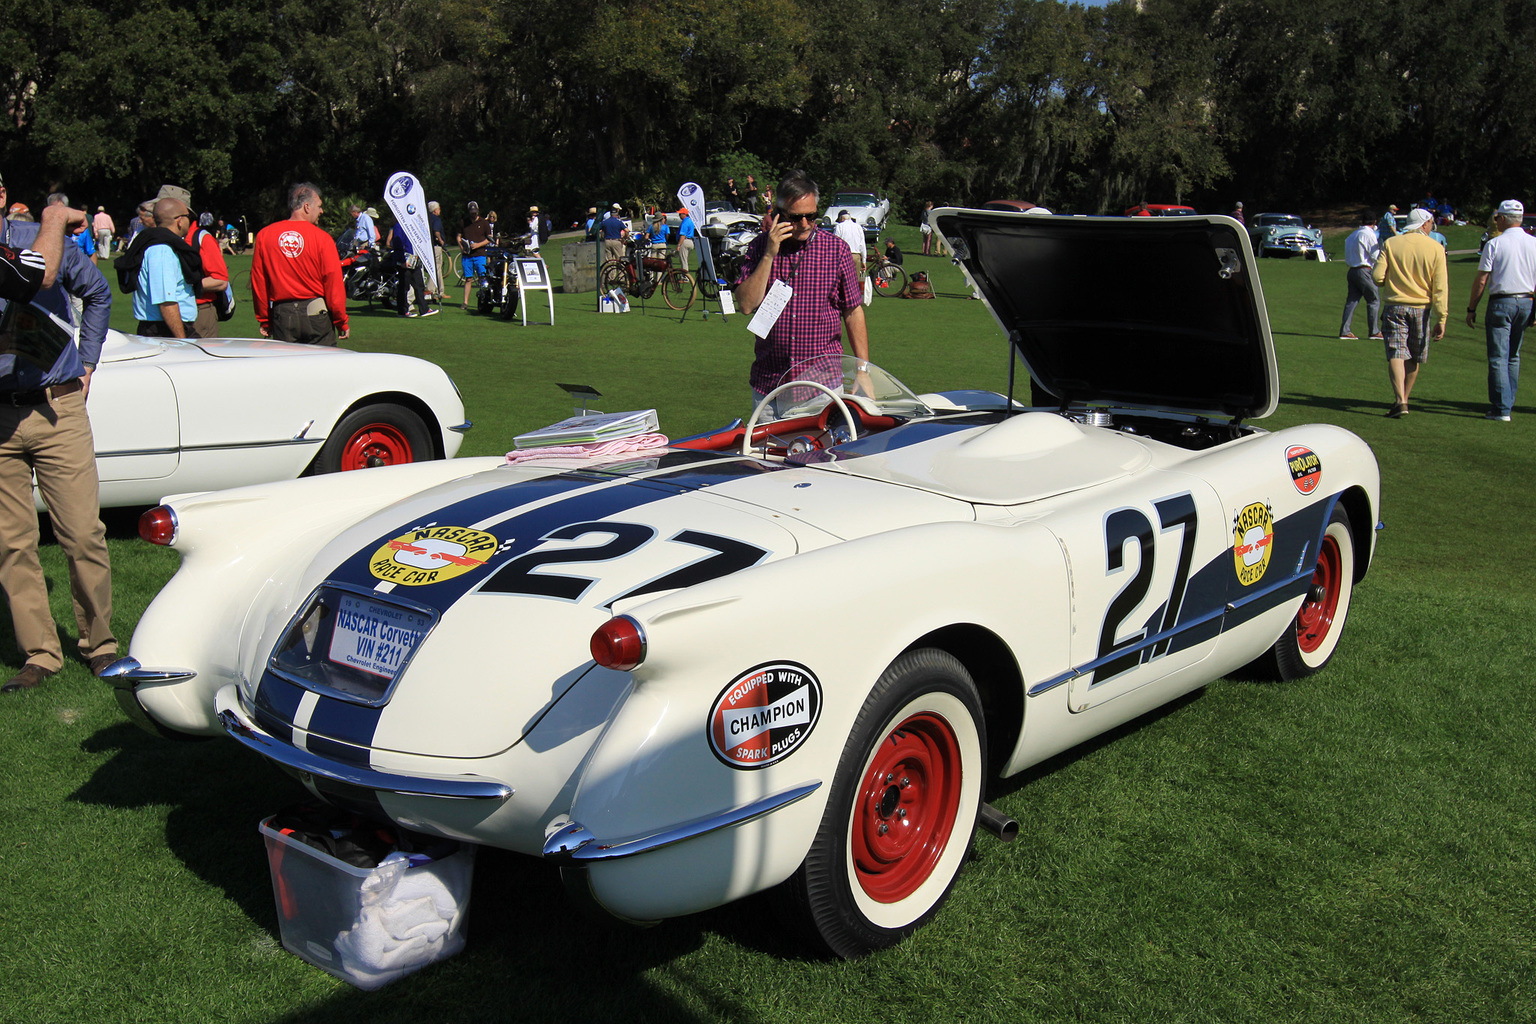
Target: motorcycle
[499,287]
[367,273]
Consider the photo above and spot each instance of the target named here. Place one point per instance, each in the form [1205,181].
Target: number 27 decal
[1120,528]
[521,575]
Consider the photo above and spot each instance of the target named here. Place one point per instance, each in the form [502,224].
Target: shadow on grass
[1379,406]
[1007,787]
[531,954]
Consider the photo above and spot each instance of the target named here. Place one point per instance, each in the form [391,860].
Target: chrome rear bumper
[308,766]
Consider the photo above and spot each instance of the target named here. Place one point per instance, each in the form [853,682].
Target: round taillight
[619,644]
[158,525]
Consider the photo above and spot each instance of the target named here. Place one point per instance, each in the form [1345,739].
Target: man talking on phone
[813,272]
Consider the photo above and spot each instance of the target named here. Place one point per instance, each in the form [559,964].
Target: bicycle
[640,275]
[889,279]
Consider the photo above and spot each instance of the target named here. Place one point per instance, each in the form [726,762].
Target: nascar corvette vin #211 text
[606,665]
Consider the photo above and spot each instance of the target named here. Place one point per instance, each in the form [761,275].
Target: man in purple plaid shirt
[826,297]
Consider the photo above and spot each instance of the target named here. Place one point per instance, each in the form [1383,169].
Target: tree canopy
[573,103]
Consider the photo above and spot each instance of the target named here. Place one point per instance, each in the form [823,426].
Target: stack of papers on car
[588,428]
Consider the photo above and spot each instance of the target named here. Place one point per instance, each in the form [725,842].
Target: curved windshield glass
[875,390]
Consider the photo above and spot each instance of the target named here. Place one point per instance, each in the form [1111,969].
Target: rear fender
[831,614]
[245,554]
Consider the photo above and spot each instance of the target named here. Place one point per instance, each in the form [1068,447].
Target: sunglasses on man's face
[809,218]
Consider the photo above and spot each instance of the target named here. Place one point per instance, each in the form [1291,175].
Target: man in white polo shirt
[1507,271]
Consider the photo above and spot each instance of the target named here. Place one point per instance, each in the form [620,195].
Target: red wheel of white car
[901,811]
[375,435]
[1314,634]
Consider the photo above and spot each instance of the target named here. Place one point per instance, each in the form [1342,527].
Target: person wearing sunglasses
[816,269]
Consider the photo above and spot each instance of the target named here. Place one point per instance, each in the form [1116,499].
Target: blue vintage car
[1284,234]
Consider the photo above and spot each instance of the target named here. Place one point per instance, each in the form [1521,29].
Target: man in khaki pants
[44,430]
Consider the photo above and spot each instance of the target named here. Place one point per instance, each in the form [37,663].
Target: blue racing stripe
[343,729]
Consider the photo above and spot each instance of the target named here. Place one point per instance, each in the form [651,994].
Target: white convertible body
[809,658]
[171,416]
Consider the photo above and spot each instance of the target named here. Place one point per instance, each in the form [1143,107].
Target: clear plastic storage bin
[368,926]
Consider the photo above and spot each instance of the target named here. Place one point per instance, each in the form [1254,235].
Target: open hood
[1149,312]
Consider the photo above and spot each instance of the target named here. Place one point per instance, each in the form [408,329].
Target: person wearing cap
[1411,272]
[215,273]
[1237,213]
[45,433]
[1360,251]
[474,236]
[685,232]
[296,284]
[614,231]
[533,231]
[1507,272]
[1387,226]
[104,229]
[166,271]
[592,225]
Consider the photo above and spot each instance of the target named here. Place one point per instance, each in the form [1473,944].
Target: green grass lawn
[1356,847]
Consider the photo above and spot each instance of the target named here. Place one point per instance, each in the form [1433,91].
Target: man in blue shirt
[45,376]
[363,232]
[164,303]
[614,230]
[684,237]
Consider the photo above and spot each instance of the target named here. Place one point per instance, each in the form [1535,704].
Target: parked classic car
[723,212]
[1284,234]
[171,416]
[1161,210]
[867,209]
[790,656]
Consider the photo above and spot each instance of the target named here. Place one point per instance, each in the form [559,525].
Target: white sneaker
[1496,417]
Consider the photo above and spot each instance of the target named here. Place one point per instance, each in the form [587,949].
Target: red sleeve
[259,280]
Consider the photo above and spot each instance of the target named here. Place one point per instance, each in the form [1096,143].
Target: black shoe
[99,664]
[29,678]
[1397,411]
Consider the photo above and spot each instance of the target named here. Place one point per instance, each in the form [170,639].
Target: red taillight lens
[619,644]
[158,525]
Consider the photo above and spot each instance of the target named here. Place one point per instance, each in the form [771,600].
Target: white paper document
[768,313]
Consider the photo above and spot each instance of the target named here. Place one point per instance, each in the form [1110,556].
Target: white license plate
[373,637]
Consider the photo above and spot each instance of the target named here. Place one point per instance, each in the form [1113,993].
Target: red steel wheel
[900,812]
[383,434]
[1313,636]
[1318,608]
[377,444]
[906,807]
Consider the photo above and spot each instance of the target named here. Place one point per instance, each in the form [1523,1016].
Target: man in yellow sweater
[1411,273]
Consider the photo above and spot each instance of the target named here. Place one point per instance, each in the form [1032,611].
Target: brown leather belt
[39,396]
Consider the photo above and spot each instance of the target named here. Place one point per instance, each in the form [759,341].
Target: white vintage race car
[172,416]
[790,655]
[866,209]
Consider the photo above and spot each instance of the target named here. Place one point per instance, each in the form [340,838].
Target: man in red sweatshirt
[296,285]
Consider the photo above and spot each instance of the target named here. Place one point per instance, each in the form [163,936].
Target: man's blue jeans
[1505,327]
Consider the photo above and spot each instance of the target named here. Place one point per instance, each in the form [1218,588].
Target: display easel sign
[533,276]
